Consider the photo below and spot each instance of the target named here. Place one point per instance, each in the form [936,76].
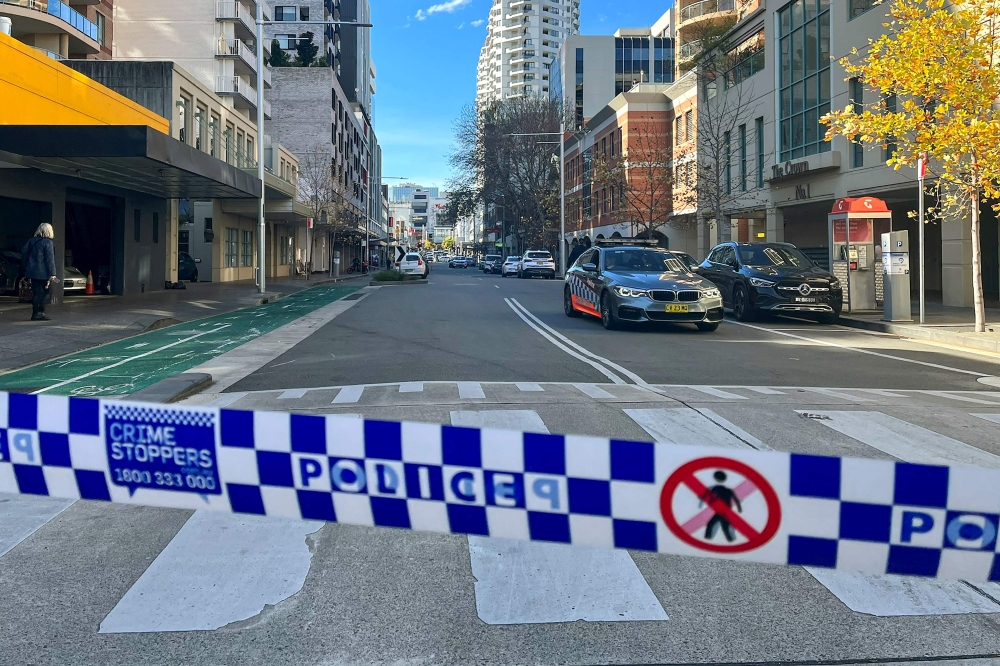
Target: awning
[133,157]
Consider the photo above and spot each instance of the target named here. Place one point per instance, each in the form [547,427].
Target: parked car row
[630,280]
[530,264]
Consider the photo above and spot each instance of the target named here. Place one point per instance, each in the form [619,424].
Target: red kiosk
[852,248]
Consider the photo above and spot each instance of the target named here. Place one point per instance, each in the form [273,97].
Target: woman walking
[39,262]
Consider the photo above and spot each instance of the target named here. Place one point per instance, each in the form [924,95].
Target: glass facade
[579,88]
[636,63]
[859,7]
[804,54]
[555,80]
[758,131]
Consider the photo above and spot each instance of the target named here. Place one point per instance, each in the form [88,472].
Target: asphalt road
[83,583]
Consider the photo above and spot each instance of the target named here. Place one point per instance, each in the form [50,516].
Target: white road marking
[860,351]
[959,397]
[739,432]
[764,390]
[348,394]
[219,568]
[717,393]
[583,350]
[597,366]
[22,515]
[593,390]
[289,394]
[528,386]
[225,399]
[683,425]
[889,596]
[411,387]
[199,304]
[138,345]
[278,365]
[521,582]
[995,418]
[131,358]
[470,390]
[838,394]
[882,392]
[904,440]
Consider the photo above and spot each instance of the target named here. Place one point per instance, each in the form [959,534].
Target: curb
[175,388]
[395,283]
[969,340]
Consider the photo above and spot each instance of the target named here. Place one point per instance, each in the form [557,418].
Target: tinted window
[588,257]
[773,255]
[643,261]
[715,256]
[412,257]
[492,257]
[539,255]
[727,252]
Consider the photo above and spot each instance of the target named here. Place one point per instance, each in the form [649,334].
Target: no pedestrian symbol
[720,505]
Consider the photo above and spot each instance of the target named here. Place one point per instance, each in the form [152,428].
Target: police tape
[870,516]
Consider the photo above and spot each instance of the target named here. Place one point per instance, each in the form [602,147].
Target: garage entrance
[89,238]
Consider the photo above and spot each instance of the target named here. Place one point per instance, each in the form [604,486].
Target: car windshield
[412,257]
[511,260]
[773,255]
[539,255]
[642,261]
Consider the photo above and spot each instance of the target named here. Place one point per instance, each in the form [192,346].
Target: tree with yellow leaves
[939,60]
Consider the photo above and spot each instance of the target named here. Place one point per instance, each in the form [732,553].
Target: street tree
[937,73]
[278,56]
[305,49]
[322,187]
[448,243]
[639,176]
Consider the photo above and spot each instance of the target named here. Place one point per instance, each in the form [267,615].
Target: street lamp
[562,189]
[262,225]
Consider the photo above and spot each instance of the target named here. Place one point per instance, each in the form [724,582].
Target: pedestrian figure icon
[724,494]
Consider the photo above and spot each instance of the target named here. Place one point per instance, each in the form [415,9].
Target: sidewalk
[87,321]
[949,325]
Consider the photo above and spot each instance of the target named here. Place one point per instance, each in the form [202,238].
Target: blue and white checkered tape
[871,516]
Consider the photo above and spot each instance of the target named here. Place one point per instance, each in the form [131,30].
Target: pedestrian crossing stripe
[873,516]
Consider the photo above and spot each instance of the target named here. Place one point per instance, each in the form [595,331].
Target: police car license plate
[675,308]
[803,299]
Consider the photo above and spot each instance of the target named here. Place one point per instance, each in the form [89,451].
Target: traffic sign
[720,505]
[400,253]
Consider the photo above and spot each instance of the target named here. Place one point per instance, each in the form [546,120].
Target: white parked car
[509,266]
[413,264]
[537,262]
[74,282]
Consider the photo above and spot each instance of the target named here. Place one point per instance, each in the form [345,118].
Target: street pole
[562,199]
[261,228]
[921,167]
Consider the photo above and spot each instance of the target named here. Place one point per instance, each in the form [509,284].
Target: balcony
[39,17]
[243,94]
[238,13]
[689,50]
[245,59]
[704,8]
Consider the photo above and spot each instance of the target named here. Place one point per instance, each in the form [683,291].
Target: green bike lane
[126,366]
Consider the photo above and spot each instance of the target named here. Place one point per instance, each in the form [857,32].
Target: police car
[630,279]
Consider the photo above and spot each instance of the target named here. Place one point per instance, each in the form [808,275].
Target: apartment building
[60,30]
[214,41]
[523,38]
[792,177]
[589,71]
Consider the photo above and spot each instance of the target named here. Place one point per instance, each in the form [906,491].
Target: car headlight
[834,283]
[711,293]
[760,282]
[628,292]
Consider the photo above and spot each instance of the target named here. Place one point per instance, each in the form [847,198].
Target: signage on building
[789,169]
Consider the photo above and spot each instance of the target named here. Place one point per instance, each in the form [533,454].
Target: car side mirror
[589,267]
[732,263]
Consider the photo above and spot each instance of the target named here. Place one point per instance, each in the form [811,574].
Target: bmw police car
[631,280]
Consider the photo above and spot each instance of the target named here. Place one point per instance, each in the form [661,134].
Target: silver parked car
[631,281]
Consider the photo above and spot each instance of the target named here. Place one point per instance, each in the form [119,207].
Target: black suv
[772,277]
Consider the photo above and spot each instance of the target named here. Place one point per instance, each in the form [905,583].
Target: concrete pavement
[459,353]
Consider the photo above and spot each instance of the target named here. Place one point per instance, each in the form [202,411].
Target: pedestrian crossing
[220,569]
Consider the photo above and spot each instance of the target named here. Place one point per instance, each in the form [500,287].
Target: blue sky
[426,55]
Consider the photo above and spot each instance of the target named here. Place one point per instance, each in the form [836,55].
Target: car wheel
[608,317]
[830,318]
[568,304]
[742,309]
[708,326]
[194,278]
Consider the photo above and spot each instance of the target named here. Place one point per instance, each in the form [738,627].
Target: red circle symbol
[753,482]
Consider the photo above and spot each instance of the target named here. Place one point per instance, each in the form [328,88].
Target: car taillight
[397,264]
[419,263]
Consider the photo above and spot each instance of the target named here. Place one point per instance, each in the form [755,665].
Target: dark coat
[38,258]
[575,254]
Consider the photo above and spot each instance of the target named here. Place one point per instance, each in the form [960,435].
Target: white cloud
[421,15]
[476,24]
[448,7]
[460,26]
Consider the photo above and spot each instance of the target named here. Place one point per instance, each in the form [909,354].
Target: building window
[303,13]
[678,133]
[213,135]
[285,13]
[156,227]
[745,60]
[804,49]
[232,240]
[201,128]
[246,251]
[857,92]
[183,119]
[743,157]
[859,7]
[282,250]
[636,63]
[579,88]
[286,42]
[759,135]
[137,225]
[586,184]
[101,34]
[688,129]
[228,138]
[728,149]
[184,241]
